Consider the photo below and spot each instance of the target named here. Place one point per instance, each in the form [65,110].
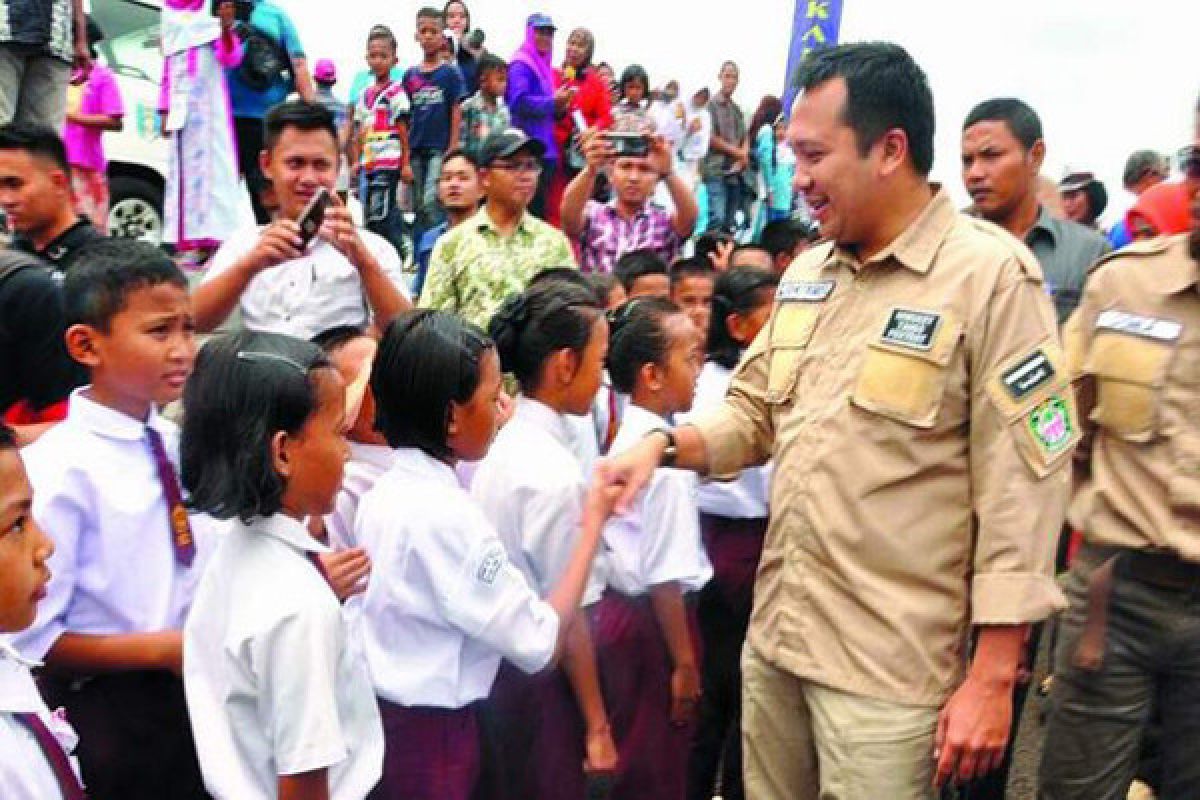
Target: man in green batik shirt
[498,251]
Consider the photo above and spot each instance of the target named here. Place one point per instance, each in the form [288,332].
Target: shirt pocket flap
[906,382]
[792,328]
[1130,372]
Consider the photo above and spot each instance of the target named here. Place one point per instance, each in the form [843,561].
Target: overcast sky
[1106,76]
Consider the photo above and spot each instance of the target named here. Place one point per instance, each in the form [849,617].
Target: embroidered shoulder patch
[1164,330]
[1033,371]
[909,328]
[804,291]
[489,568]
[1051,425]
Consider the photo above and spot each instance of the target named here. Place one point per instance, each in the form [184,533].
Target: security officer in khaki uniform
[911,390]
[1131,638]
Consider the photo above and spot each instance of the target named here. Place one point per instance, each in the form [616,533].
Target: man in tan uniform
[1131,638]
[912,392]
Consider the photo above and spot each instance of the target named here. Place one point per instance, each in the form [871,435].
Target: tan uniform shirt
[1135,344]
[919,415]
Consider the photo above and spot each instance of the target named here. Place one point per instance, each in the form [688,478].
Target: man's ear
[264,160]
[651,375]
[895,149]
[84,344]
[1037,155]
[61,181]
[565,364]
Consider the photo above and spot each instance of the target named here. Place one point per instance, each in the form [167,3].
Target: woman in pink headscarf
[532,99]
[201,197]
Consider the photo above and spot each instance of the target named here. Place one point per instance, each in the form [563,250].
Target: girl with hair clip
[733,523]
[545,732]
[281,704]
[445,603]
[653,560]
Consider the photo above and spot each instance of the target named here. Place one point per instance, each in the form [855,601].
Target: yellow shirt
[1134,344]
[920,420]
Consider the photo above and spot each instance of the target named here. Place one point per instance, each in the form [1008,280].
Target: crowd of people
[620,448]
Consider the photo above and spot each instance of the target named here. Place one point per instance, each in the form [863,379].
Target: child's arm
[579,662]
[104,122]
[305,786]
[85,654]
[406,173]
[667,600]
[455,125]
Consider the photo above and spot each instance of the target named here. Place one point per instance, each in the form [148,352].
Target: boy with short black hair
[692,283]
[643,274]
[34,744]
[434,89]
[485,111]
[382,152]
[126,558]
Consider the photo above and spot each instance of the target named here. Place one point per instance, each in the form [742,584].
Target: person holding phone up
[279,279]
[606,231]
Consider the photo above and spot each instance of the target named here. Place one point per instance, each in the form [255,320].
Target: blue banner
[816,26]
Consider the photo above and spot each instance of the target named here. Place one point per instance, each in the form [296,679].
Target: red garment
[592,99]
[21,413]
[1165,206]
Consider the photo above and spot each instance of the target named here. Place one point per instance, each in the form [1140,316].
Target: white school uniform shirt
[748,495]
[367,462]
[444,604]
[25,772]
[308,295]
[532,488]
[658,540]
[274,683]
[97,494]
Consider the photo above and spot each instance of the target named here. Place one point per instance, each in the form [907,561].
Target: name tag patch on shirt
[1164,330]
[804,291]
[1032,372]
[912,329]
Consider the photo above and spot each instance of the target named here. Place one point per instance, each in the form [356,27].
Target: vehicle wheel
[135,209]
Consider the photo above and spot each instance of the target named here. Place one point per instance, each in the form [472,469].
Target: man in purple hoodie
[532,99]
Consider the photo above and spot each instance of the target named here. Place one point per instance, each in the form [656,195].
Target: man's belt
[1149,567]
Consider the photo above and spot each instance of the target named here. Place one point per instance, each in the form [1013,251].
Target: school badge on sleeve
[1051,425]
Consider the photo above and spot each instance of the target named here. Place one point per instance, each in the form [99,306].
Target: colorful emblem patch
[1051,425]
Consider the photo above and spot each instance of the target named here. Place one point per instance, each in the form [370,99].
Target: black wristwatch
[671,451]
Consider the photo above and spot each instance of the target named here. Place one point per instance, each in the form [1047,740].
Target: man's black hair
[549,316]
[635,264]
[708,242]
[636,337]
[693,267]
[37,141]
[300,115]
[98,286]
[332,339]
[885,89]
[1022,121]
[427,360]
[783,235]
[739,290]
[465,154]
[490,62]
[246,388]
[570,275]
[429,12]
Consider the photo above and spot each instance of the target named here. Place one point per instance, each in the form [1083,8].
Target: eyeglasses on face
[528,165]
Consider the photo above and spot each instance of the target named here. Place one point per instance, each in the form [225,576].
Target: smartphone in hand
[312,216]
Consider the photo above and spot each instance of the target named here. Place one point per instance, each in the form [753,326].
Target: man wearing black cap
[1084,198]
[497,251]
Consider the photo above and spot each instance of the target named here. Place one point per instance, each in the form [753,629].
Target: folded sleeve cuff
[1014,598]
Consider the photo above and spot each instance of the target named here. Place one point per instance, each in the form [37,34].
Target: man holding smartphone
[279,280]
[606,231]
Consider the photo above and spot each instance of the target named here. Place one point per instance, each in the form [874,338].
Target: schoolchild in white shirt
[445,603]
[733,523]
[653,560]
[543,733]
[35,745]
[127,555]
[280,702]
[352,352]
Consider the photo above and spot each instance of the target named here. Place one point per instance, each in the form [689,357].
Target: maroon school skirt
[429,753]
[734,547]
[635,674]
[532,740]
